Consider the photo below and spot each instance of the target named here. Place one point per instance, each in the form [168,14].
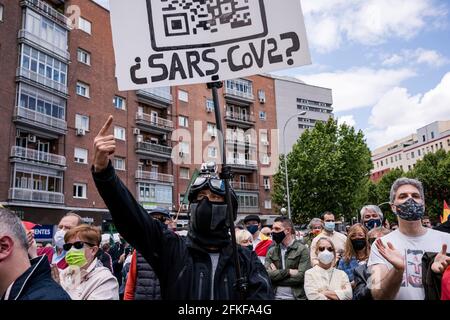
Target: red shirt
[446,285]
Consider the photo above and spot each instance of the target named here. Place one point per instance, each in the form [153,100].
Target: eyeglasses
[328,248]
[77,245]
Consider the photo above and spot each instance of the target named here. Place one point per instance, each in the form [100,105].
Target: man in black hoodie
[198,267]
[21,278]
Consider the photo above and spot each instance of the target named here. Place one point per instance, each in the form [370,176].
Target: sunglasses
[76,245]
[328,248]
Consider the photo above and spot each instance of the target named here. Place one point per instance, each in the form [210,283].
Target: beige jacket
[318,279]
[94,283]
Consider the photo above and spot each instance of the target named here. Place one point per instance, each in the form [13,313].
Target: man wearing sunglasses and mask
[197,267]
[395,260]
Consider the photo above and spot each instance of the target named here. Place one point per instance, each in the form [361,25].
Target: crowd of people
[372,261]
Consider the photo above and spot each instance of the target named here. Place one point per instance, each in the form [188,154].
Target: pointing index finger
[106,126]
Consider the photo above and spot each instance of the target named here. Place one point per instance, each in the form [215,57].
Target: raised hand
[441,261]
[104,146]
[391,254]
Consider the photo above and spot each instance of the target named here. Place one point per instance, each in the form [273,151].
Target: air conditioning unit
[31,138]
[185,207]
[136,131]
[266,187]
[181,154]
[209,109]
[139,138]
[213,134]
[80,132]
[262,100]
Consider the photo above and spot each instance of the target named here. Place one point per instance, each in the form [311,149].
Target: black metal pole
[226,175]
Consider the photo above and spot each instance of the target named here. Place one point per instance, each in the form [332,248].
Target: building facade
[294,97]
[57,87]
[404,153]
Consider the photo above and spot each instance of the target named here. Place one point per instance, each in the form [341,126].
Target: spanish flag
[446,213]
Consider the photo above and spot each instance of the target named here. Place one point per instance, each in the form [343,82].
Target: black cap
[252,217]
[159,210]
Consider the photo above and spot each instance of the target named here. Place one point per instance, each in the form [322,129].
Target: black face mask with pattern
[208,225]
[410,210]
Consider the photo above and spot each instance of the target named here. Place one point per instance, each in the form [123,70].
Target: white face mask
[59,238]
[326,257]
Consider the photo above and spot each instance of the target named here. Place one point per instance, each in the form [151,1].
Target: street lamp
[285,160]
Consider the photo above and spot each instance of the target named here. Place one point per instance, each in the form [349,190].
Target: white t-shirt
[413,248]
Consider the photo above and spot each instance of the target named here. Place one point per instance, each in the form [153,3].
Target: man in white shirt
[395,261]
[337,238]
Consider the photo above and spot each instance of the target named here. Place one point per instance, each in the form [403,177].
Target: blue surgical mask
[253,228]
[373,223]
[329,226]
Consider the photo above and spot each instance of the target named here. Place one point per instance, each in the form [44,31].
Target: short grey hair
[373,208]
[314,221]
[405,181]
[11,225]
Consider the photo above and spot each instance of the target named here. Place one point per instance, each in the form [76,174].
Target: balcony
[154,151]
[248,209]
[47,10]
[152,195]
[234,141]
[242,165]
[157,97]
[240,91]
[242,120]
[44,81]
[39,121]
[31,38]
[244,186]
[153,124]
[153,176]
[30,195]
[38,156]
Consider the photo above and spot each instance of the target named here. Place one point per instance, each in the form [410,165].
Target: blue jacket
[37,283]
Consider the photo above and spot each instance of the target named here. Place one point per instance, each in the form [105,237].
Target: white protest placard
[174,42]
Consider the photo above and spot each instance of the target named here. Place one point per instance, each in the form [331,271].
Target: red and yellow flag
[445,213]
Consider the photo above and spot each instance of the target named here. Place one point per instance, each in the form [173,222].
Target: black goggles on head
[216,185]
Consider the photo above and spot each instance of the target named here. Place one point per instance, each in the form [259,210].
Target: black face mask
[208,225]
[359,244]
[250,247]
[278,237]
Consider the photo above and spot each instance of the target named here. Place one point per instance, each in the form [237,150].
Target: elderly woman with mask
[86,278]
[324,281]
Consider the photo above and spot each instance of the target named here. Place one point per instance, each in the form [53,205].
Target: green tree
[434,173]
[328,169]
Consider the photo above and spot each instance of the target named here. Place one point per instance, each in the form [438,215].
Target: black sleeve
[131,219]
[259,284]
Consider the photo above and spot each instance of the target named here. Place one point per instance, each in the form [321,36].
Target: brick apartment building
[57,86]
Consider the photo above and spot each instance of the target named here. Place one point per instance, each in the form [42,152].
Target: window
[212,130]
[267,204]
[82,122]
[44,65]
[265,159]
[83,56]
[1,12]
[424,138]
[382,163]
[42,102]
[183,121]
[84,25]
[266,183]
[119,163]
[184,147]
[80,155]
[209,105]
[119,103]
[432,134]
[418,152]
[83,89]
[183,96]
[399,157]
[212,152]
[184,173]
[262,96]
[264,138]
[79,190]
[46,30]
[448,142]
[262,115]
[413,154]
[119,133]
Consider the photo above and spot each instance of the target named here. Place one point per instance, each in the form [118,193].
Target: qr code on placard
[178,24]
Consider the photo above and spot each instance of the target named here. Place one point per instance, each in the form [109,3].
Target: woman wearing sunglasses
[86,278]
[324,281]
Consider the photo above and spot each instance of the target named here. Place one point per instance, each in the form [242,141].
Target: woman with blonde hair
[324,281]
[86,278]
[244,239]
[357,250]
